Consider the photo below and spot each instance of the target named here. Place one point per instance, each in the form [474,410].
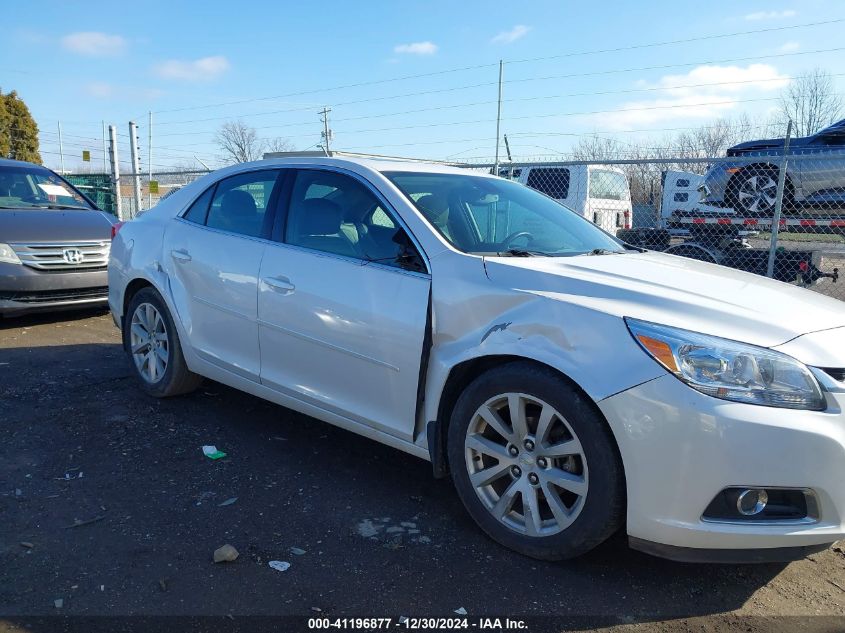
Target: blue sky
[84,63]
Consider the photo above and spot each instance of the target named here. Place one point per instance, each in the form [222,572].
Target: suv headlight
[730,370]
[8,255]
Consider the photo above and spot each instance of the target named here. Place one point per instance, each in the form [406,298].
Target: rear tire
[152,342]
[535,464]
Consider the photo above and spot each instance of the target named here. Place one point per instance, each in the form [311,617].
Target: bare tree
[279,144]
[238,142]
[811,102]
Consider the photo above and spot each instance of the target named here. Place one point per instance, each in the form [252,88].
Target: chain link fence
[768,214]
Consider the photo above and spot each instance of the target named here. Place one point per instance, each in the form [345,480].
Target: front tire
[535,464]
[155,352]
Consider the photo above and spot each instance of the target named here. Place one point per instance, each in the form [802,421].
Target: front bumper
[680,448]
[24,290]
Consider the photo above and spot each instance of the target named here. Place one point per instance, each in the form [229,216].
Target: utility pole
[498,118]
[61,148]
[105,153]
[773,242]
[136,167]
[115,171]
[327,133]
[510,158]
[150,159]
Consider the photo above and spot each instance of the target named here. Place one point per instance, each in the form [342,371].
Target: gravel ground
[109,506]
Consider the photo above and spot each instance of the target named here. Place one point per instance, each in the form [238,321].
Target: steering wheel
[515,236]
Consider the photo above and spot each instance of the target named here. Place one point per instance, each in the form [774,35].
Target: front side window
[335,213]
[240,203]
[484,215]
[23,187]
[608,185]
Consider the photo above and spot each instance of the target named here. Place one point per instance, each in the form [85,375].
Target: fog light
[751,502]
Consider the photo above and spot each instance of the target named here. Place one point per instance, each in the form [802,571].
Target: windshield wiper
[604,251]
[519,252]
[61,206]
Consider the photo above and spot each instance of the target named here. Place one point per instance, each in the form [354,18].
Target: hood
[48,225]
[677,292]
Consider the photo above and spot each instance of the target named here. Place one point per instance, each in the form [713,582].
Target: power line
[492,65]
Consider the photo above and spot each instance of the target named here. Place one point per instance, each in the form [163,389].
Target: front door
[341,310]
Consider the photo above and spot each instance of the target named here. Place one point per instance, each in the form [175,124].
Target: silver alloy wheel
[519,447]
[758,193]
[150,345]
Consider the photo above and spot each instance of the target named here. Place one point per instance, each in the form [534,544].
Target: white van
[598,192]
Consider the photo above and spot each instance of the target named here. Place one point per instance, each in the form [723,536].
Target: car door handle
[180,255]
[281,285]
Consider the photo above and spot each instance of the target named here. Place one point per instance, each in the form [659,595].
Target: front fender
[592,348]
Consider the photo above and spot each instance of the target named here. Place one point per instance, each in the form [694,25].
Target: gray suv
[54,242]
[815,174]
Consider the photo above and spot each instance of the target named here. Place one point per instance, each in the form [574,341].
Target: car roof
[375,164]
[8,162]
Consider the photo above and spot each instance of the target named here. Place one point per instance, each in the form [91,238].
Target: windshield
[495,216]
[23,187]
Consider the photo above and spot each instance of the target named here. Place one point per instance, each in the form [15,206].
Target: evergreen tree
[5,121]
[21,130]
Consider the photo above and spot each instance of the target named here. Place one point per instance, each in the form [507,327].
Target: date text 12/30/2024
[421,624]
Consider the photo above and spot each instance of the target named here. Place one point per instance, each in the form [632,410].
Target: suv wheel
[754,191]
[152,342]
[535,464]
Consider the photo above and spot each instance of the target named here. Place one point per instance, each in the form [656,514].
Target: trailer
[721,238]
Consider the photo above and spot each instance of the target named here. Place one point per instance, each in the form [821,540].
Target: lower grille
[64,256]
[48,296]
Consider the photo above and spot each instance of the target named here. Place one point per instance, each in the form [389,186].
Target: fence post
[115,172]
[773,244]
[136,166]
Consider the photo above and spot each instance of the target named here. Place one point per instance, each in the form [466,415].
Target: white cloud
[771,15]
[416,48]
[94,44]
[203,69]
[507,37]
[789,47]
[706,92]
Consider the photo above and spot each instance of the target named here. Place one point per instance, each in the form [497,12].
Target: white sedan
[571,385]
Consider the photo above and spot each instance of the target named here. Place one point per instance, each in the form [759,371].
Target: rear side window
[199,209]
[552,181]
[240,203]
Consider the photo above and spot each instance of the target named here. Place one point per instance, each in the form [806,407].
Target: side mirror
[408,257]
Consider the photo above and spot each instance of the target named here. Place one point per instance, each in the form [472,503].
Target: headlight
[8,255]
[730,370]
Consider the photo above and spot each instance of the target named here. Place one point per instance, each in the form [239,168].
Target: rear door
[342,304]
[608,199]
[212,255]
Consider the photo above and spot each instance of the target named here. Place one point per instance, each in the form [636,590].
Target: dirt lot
[376,535]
